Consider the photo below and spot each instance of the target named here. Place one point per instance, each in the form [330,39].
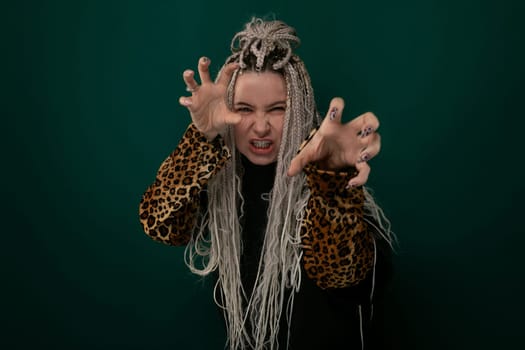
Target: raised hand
[335,145]
[207,103]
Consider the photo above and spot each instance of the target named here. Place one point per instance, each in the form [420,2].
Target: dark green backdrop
[89,96]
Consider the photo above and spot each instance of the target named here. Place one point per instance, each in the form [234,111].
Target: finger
[189,79]
[372,149]
[299,162]
[363,171]
[232,118]
[185,101]
[368,123]
[295,167]
[226,73]
[204,72]
[335,111]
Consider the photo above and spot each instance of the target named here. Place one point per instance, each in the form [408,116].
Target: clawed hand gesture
[207,104]
[335,145]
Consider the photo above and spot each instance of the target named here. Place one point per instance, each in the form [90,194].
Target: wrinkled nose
[261,125]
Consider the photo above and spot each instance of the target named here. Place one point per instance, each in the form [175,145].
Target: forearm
[170,206]
[337,243]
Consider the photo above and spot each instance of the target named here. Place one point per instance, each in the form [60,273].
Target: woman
[293,237]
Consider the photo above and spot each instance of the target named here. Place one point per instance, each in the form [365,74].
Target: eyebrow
[278,103]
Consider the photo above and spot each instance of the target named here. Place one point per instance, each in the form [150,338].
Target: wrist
[210,135]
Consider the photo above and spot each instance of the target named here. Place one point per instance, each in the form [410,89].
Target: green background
[89,100]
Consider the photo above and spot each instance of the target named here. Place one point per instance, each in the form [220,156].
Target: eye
[277,109]
[243,110]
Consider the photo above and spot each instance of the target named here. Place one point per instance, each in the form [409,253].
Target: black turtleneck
[322,319]
[257,182]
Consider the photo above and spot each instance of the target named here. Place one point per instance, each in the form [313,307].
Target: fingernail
[366,132]
[364,157]
[333,112]
[205,60]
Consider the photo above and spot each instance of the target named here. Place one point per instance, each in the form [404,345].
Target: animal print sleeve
[338,247]
[169,207]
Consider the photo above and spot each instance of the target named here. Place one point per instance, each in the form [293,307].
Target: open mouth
[261,144]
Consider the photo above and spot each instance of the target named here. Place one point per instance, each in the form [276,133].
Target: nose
[261,125]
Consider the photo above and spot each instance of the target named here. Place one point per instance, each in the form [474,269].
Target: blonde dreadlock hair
[261,46]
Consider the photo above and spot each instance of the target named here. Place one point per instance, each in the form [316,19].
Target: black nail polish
[333,113]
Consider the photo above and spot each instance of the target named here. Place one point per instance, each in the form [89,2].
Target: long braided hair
[217,242]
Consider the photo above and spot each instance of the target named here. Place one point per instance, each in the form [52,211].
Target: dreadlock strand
[261,46]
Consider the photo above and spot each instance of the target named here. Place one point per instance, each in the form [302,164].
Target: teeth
[261,144]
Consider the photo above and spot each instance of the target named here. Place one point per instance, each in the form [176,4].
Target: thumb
[232,118]
[298,163]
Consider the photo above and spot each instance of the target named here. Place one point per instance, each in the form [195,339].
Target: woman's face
[260,98]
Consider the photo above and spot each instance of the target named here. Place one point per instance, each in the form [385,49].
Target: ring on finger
[190,89]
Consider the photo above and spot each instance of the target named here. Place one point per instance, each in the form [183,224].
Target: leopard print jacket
[338,247]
